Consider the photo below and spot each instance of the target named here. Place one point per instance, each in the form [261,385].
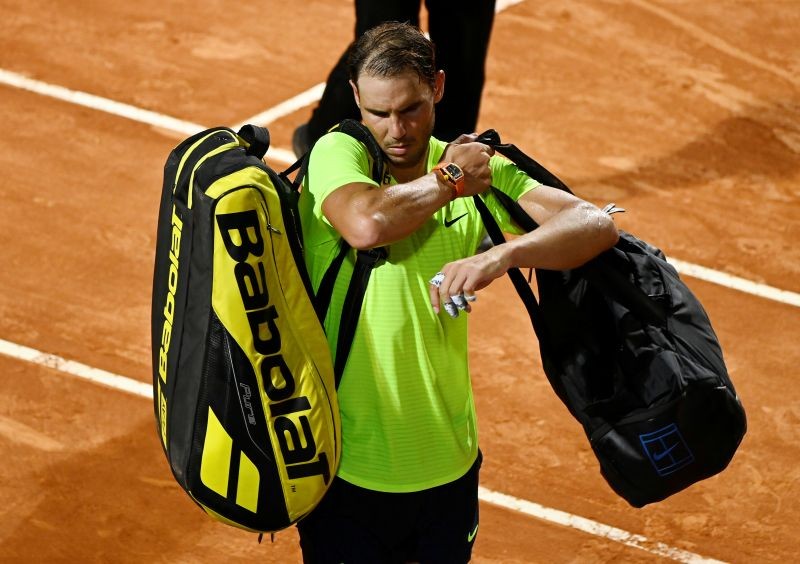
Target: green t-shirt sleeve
[336,160]
[508,178]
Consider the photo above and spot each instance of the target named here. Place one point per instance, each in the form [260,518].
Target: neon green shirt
[408,416]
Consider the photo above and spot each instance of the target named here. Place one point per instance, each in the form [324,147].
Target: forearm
[569,239]
[368,216]
[382,216]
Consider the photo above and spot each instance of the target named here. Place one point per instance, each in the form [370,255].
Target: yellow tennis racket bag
[244,391]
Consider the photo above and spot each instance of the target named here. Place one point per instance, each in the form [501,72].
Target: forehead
[392,92]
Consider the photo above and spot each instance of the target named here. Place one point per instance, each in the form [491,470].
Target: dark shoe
[300,144]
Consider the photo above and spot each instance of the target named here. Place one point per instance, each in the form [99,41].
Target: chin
[407,161]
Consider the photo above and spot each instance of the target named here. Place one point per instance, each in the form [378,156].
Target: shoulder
[337,153]
[337,159]
[338,142]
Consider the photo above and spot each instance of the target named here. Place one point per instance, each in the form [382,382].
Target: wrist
[451,175]
[505,255]
[444,186]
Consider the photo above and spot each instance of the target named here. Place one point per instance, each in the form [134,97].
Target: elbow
[599,230]
[364,233]
[607,231]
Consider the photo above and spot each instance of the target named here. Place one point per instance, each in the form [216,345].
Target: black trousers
[460,29]
[358,526]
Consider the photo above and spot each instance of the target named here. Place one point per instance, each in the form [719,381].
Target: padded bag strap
[351,310]
[366,260]
[322,300]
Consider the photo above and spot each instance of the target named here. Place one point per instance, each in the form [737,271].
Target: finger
[451,309]
[459,301]
[486,149]
[437,279]
[433,287]
[466,138]
[446,301]
[451,286]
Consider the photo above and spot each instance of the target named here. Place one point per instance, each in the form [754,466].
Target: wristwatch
[452,174]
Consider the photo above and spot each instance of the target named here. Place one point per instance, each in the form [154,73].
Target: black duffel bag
[631,352]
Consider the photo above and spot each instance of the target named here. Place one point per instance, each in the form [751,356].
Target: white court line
[187,128]
[285,108]
[718,43]
[77,369]
[735,282]
[97,103]
[504,4]
[145,390]
[591,527]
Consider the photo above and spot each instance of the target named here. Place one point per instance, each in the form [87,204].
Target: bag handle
[600,270]
[257,140]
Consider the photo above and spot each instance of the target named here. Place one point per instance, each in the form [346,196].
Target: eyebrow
[410,107]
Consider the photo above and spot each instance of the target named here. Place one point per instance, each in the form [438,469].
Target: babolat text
[242,235]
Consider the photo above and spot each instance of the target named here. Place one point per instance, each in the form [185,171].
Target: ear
[355,94]
[438,87]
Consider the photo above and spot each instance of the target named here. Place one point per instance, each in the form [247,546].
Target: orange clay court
[687,114]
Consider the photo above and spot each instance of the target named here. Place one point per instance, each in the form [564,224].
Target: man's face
[399,112]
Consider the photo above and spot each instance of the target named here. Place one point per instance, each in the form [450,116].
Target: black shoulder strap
[351,310]
[517,278]
[523,161]
[366,260]
[322,300]
[600,270]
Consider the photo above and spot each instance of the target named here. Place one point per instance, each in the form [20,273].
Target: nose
[397,128]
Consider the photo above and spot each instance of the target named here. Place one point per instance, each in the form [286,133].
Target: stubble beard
[415,160]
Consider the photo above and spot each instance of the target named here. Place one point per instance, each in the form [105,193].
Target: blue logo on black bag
[666,449]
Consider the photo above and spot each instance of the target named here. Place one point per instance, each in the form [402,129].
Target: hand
[460,140]
[473,158]
[455,285]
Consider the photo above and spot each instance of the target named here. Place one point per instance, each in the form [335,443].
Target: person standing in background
[460,29]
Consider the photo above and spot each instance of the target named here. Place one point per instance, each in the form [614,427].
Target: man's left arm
[571,232]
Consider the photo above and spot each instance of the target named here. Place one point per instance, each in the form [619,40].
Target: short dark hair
[391,49]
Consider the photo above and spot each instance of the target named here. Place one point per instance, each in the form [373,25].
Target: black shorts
[355,525]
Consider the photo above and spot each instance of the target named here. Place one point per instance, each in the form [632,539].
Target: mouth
[399,150]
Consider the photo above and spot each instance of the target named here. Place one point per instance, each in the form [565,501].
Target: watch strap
[457,184]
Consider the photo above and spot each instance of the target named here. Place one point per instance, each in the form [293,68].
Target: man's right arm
[368,216]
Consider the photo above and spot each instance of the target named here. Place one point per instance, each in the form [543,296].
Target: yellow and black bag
[244,387]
